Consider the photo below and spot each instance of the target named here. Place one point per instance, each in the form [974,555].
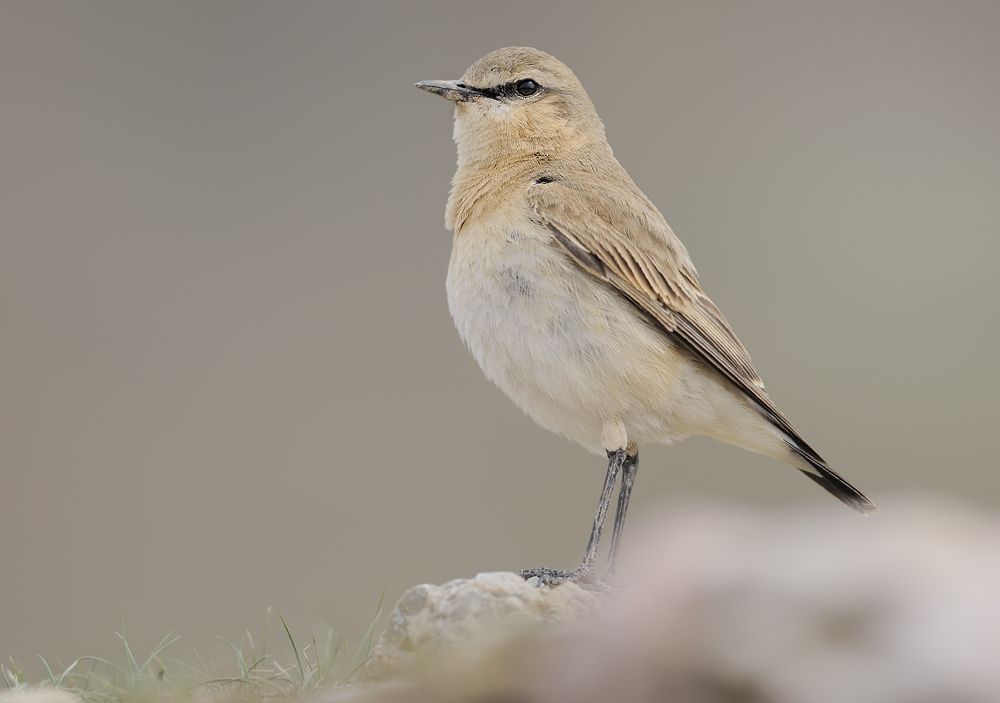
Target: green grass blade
[90,676]
[129,659]
[66,673]
[267,621]
[295,649]
[164,643]
[341,650]
[52,678]
[367,642]
[238,651]
[111,665]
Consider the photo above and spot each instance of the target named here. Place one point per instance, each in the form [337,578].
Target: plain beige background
[228,377]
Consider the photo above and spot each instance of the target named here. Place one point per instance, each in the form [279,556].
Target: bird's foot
[582,576]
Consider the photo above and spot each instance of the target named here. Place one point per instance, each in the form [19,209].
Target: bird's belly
[567,348]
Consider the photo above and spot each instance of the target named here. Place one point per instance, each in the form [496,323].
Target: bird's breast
[564,346]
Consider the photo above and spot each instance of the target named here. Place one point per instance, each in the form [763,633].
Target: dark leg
[629,470]
[585,572]
[616,460]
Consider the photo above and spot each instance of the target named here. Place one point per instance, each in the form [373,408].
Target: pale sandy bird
[578,300]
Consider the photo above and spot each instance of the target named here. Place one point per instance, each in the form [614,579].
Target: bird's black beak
[456,91]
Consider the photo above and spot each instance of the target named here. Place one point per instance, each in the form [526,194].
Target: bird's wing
[627,244]
[653,271]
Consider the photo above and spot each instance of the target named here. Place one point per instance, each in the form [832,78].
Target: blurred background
[228,376]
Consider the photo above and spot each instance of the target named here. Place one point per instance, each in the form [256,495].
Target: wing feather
[653,268]
[642,258]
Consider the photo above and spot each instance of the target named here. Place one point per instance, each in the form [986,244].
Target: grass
[264,675]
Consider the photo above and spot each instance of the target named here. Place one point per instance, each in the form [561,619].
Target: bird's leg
[585,572]
[616,460]
[629,470]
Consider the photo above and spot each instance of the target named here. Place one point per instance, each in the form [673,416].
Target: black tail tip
[847,493]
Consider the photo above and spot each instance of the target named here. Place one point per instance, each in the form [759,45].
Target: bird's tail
[829,479]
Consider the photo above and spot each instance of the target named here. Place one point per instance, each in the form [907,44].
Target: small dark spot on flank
[544,179]
[516,285]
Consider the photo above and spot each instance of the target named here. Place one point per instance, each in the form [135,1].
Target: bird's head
[519,103]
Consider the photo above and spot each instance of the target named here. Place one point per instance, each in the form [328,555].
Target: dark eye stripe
[508,90]
[494,93]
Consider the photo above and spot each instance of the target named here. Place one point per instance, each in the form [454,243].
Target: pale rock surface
[728,605]
[434,625]
[809,606]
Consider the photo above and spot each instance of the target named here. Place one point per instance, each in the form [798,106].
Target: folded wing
[628,245]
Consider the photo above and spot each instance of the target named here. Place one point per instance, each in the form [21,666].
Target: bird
[578,300]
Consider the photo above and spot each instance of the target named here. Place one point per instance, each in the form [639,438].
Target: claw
[581,576]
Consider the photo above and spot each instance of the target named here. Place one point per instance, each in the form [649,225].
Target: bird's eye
[526,87]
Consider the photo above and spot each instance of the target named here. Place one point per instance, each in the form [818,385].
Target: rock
[725,605]
[461,619]
[808,606]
